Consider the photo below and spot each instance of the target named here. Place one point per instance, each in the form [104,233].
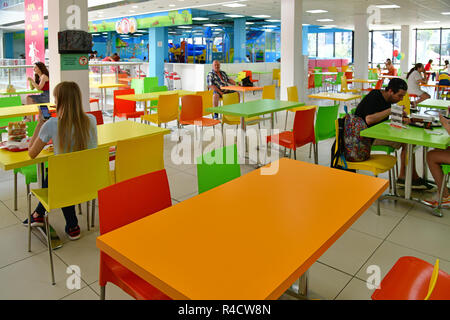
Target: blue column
[166,43]
[240,40]
[9,47]
[156,53]
[305,30]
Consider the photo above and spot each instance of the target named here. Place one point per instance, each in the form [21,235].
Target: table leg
[424,163]
[242,141]
[409,168]
[40,174]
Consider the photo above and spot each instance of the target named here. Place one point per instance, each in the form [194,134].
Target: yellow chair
[344,68]
[344,86]
[241,75]
[167,111]
[276,76]
[207,100]
[377,163]
[332,69]
[293,97]
[135,157]
[68,186]
[269,92]
[406,103]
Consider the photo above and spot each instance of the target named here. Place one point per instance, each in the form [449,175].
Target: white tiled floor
[340,273]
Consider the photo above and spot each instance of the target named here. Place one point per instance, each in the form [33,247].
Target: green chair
[29,172]
[325,127]
[155,89]
[318,81]
[143,85]
[337,82]
[446,171]
[217,167]
[13,101]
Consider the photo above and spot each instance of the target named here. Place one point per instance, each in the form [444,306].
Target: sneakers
[35,222]
[418,184]
[434,202]
[73,233]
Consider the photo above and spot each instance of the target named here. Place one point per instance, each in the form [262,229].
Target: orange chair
[92,100]
[123,108]
[377,85]
[409,279]
[302,133]
[121,204]
[311,81]
[192,112]
[249,74]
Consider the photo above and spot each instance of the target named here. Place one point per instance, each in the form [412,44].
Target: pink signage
[34,33]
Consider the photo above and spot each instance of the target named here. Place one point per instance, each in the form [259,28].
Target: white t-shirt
[50,131]
[413,83]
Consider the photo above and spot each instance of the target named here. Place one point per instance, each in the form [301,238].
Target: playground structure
[202,45]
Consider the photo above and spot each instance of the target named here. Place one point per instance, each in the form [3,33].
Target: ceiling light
[234,5]
[210,25]
[305,24]
[234,16]
[185,27]
[200,19]
[267,30]
[270,26]
[388,6]
[431,21]
[316,11]
[261,16]
[328,26]
[249,23]
[324,20]
[171,5]
[273,20]
[135,7]
[445,13]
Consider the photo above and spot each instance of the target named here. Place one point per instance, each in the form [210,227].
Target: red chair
[98,115]
[303,133]
[121,204]
[92,100]
[409,279]
[311,81]
[123,108]
[192,112]
[378,85]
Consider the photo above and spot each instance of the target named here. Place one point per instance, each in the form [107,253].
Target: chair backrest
[217,167]
[123,106]
[13,101]
[325,122]
[304,126]
[150,82]
[98,116]
[241,75]
[349,75]
[207,100]
[248,73]
[311,81]
[135,157]
[276,74]
[31,127]
[70,187]
[379,84]
[406,103]
[168,107]
[332,69]
[344,85]
[131,200]
[269,92]
[230,98]
[137,85]
[191,108]
[344,68]
[292,94]
[317,80]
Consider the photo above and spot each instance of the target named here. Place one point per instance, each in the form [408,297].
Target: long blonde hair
[73,124]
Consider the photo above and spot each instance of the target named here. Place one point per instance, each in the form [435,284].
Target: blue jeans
[69,212]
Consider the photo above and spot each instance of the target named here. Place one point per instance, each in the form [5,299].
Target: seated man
[376,108]
[390,68]
[434,159]
[216,80]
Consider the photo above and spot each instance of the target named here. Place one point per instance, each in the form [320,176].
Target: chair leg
[295,154]
[93,214]
[49,245]
[15,191]
[390,181]
[103,292]
[316,153]
[29,221]
[310,148]
[87,215]
[80,212]
[441,193]
[285,122]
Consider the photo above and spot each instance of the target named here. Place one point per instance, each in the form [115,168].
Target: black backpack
[339,154]
[246,82]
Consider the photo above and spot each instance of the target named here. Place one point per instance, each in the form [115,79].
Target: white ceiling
[411,12]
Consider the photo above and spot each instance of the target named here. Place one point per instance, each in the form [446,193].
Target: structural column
[240,40]
[156,53]
[305,30]
[1,45]
[406,47]
[361,48]
[293,66]
[67,15]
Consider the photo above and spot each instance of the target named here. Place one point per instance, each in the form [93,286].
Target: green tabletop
[255,108]
[435,104]
[262,72]
[409,135]
[18,92]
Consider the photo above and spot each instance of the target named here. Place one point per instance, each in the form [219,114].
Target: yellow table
[334,96]
[103,87]
[153,96]
[240,249]
[362,81]
[22,111]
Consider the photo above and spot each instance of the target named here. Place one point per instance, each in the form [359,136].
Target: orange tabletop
[254,245]
[242,89]
[362,80]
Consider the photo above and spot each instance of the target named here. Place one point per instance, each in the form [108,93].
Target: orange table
[437,87]
[254,245]
[242,89]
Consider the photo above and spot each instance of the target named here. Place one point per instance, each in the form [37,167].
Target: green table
[410,136]
[19,92]
[436,104]
[253,109]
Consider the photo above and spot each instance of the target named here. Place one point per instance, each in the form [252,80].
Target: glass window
[343,45]
[445,47]
[428,42]
[325,45]
[312,44]
[382,46]
[397,46]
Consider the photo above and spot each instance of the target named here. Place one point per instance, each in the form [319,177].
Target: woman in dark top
[40,82]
